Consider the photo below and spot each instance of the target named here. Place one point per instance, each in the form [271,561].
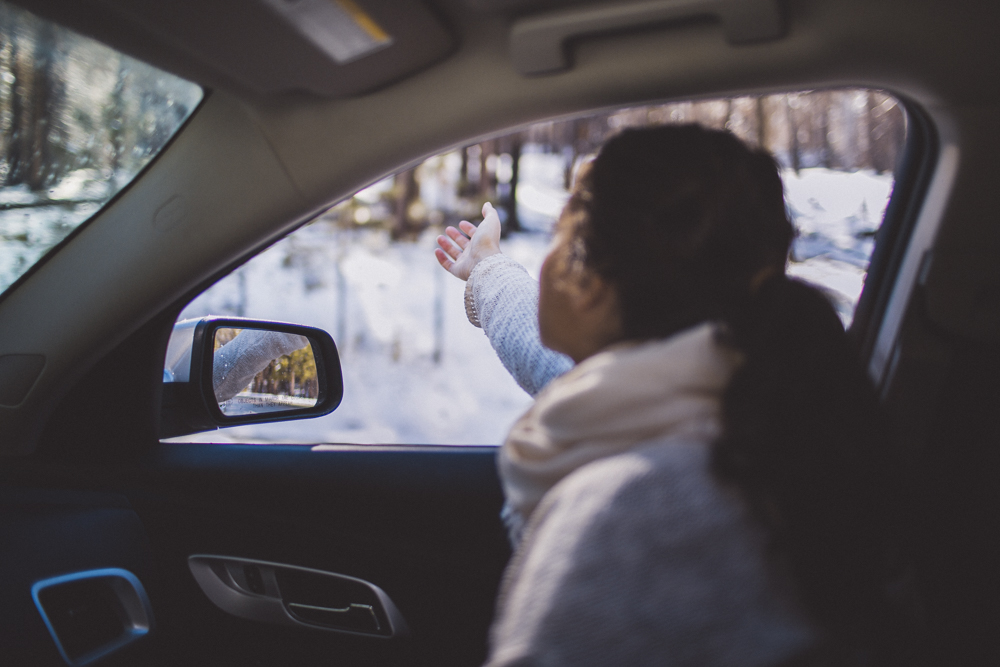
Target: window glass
[415,370]
[78,121]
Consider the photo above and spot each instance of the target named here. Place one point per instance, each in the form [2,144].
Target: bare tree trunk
[869,157]
[407,193]
[513,223]
[824,100]
[341,328]
[761,119]
[46,163]
[887,132]
[21,125]
[439,290]
[6,90]
[241,305]
[486,183]
[793,131]
[570,152]
[114,123]
[896,134]
[463,171]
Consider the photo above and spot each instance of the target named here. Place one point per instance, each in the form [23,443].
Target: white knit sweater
[503,299]
[642,558]
[633,552]
[238,361]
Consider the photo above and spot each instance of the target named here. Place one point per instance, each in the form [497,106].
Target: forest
[843,130]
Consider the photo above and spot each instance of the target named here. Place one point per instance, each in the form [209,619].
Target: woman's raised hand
[460,251]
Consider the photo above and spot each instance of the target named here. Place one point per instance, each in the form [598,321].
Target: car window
[415,370]
[78,121]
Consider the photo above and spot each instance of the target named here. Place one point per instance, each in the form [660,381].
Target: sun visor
[334,48]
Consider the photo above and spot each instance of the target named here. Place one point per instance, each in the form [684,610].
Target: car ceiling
[284,133]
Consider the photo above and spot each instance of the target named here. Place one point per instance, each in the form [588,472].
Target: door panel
[421,523]
[47,533]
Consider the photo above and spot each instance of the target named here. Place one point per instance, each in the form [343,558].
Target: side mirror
[229,371]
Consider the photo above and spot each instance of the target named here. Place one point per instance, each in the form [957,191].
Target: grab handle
[537,43]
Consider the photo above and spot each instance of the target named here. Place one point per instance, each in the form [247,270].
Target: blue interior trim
[128,637]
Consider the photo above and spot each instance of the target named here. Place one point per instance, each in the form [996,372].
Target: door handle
[290,595]
[358,617]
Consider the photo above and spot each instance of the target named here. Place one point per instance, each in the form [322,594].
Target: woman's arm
[238,361]
[502,299]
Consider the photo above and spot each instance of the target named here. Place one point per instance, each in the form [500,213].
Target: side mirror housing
[229,371]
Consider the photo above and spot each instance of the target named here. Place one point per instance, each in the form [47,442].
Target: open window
[415,370]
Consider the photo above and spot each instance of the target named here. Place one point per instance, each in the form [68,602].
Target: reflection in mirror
[256,371]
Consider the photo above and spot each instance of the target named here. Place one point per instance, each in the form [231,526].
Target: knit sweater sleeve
[237,362]
[503,299]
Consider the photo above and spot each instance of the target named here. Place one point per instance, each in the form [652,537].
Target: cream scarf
[624,396]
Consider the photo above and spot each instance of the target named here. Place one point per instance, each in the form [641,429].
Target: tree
[407,193]
[114,121]
[36,146]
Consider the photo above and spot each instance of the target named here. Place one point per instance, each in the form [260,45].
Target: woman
[709,484]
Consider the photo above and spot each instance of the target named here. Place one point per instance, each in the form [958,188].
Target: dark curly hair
[689,225]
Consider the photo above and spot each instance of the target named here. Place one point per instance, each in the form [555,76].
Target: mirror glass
[256,371]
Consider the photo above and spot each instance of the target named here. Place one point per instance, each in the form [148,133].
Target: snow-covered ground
[415,370]
[406,378]
[27,233]
[836,215]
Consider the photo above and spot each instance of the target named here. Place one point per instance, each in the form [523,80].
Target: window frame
[911,180]
[910,177]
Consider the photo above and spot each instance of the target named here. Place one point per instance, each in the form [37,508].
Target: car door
[421,523]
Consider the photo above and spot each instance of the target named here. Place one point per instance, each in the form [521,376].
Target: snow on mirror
[415,370]
[78,122]
[256,371]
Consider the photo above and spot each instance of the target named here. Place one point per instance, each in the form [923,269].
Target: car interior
[119,548]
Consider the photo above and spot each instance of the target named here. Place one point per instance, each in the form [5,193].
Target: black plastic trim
[117,593]
[331,382]
[912,176]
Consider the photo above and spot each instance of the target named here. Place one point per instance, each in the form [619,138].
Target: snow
[540,193]
[415,370]
[836,214]
[26,234]
[396,389]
